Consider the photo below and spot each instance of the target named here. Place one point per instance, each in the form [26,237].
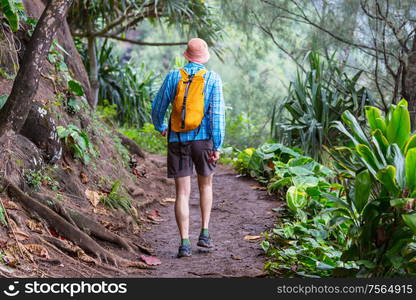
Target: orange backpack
[188,105]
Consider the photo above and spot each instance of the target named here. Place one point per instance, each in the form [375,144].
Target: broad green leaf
[411,143]
[355,127]
[295,198]
[307,181]
[396,158]
[410,220]
[411,170]
[362,189]
[400,202]
[3,99]
[8,7]
[300,171]
[76,88]
[375,119]
[387,177]
[369,159]
[274,186]
[383,143]
[398,128]
[341,127]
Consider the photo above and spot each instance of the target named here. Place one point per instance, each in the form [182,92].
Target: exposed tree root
[62,226]
[99,231]
[130,145]
[51,242]
[84,223]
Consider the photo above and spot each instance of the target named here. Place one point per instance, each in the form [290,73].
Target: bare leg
[205,193]
[183,190]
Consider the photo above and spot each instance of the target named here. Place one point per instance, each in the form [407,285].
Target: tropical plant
[78,141]
[3,99]
[314,101]
[378,170]
[12,10]
[147,137]
[92,20]
[129,87]
[116,200]
[2,216]
[304,241]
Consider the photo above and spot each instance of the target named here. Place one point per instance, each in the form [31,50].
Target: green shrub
[148,138]
[304,118]
[130,88]
[78,141]
[304,242]
[12,10]
[35,178]
[116,199]
[378,170]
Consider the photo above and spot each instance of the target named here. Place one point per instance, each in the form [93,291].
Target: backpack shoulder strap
[201,72]
[184,75]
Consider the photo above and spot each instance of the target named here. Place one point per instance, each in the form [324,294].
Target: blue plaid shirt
[213,94]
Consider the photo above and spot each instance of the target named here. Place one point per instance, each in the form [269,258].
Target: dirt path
[238,210]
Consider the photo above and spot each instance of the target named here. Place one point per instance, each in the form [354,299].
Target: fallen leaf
[37,249]
[139,173]
[154,215]
[258,188]
[236,257]
[84,257]
[100,211]
[84,178]
[10,259]
[93,196]
[111,226]
[150,260]
[55,234]
[10,205]
[16,232]
[172,200]
[252,237]
[34,226]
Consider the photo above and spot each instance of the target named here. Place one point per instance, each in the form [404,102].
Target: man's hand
[214,156]
[164,132]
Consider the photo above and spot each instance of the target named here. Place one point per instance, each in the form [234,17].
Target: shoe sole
[204,246]
[181,256]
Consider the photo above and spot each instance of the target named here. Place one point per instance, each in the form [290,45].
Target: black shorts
[182,156]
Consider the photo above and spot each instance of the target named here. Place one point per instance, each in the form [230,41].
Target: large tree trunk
[93,71]
[14,113]
[34,9]
[409,83]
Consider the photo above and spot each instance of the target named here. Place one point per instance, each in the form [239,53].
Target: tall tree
[14,113]
[377,37]
[91,19]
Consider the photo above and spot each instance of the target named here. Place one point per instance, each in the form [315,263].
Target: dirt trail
[238,210]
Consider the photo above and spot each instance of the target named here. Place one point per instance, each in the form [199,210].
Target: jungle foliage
[316,99]
[358,221]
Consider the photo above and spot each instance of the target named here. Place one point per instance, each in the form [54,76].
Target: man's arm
[218,115]
[161,102]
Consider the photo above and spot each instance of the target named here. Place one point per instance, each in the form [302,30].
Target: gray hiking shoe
[184,251]
[205,241]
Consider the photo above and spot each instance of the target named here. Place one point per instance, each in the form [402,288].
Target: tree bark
[93,72]
[409,82]
[14,113]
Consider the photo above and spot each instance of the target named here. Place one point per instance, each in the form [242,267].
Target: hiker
[195,133]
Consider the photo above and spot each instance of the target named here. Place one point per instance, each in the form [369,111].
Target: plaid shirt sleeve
[161,102]
[218,114]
